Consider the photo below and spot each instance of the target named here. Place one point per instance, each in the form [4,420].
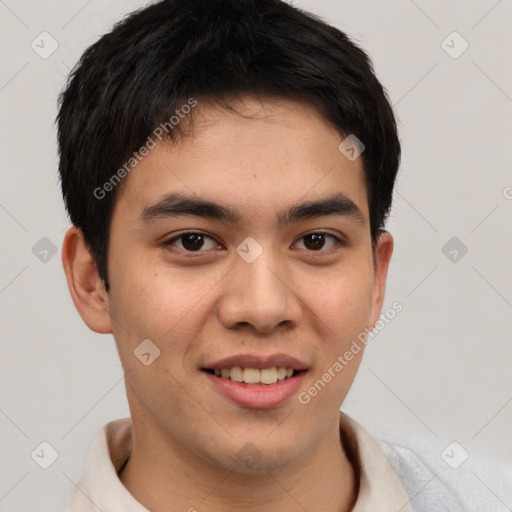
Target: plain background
[439,372]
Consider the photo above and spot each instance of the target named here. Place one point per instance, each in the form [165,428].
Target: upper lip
[258,361]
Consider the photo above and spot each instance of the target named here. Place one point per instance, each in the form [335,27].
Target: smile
[249,375]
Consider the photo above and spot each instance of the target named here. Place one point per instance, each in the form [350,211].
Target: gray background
[439,372]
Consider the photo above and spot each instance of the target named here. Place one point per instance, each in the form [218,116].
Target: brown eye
[317,241]
[191,241]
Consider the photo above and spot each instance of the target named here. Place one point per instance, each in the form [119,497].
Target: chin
[251,459]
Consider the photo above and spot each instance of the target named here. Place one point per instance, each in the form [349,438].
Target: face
[261,281]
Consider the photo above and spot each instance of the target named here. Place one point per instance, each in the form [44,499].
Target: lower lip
[257,396]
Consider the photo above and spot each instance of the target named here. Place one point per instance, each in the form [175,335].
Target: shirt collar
[380,489]
[99,487]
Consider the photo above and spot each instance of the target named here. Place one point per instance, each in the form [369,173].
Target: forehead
[265,155]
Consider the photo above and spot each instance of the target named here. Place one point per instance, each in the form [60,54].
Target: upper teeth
[255,375]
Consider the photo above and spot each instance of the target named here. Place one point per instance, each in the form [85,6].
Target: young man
[228,166]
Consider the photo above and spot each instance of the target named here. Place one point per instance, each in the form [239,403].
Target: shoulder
[425,487]
[479,484]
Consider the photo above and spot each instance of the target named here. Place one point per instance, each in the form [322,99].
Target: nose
[259,296]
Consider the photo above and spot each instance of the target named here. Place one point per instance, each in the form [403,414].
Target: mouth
[253,376]
[255,382]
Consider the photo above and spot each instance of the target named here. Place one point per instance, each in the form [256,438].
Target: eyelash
[339,241]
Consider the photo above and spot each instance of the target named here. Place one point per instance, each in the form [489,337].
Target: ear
[383,252]
[85,285]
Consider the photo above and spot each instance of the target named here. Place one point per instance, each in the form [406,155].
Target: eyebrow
[177,205]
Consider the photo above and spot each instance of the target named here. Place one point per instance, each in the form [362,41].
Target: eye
[316,241]
[191,241]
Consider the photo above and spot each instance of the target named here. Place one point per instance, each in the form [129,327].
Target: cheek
[162,304]
[343,304]
[341,315]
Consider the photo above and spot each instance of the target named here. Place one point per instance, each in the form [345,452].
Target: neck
[161,477]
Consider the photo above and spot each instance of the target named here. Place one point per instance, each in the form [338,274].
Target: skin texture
[199,307]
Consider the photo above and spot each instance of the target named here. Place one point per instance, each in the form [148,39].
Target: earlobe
[85,285]
[383,253]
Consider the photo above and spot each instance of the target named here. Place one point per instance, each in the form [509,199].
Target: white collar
[99,487]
